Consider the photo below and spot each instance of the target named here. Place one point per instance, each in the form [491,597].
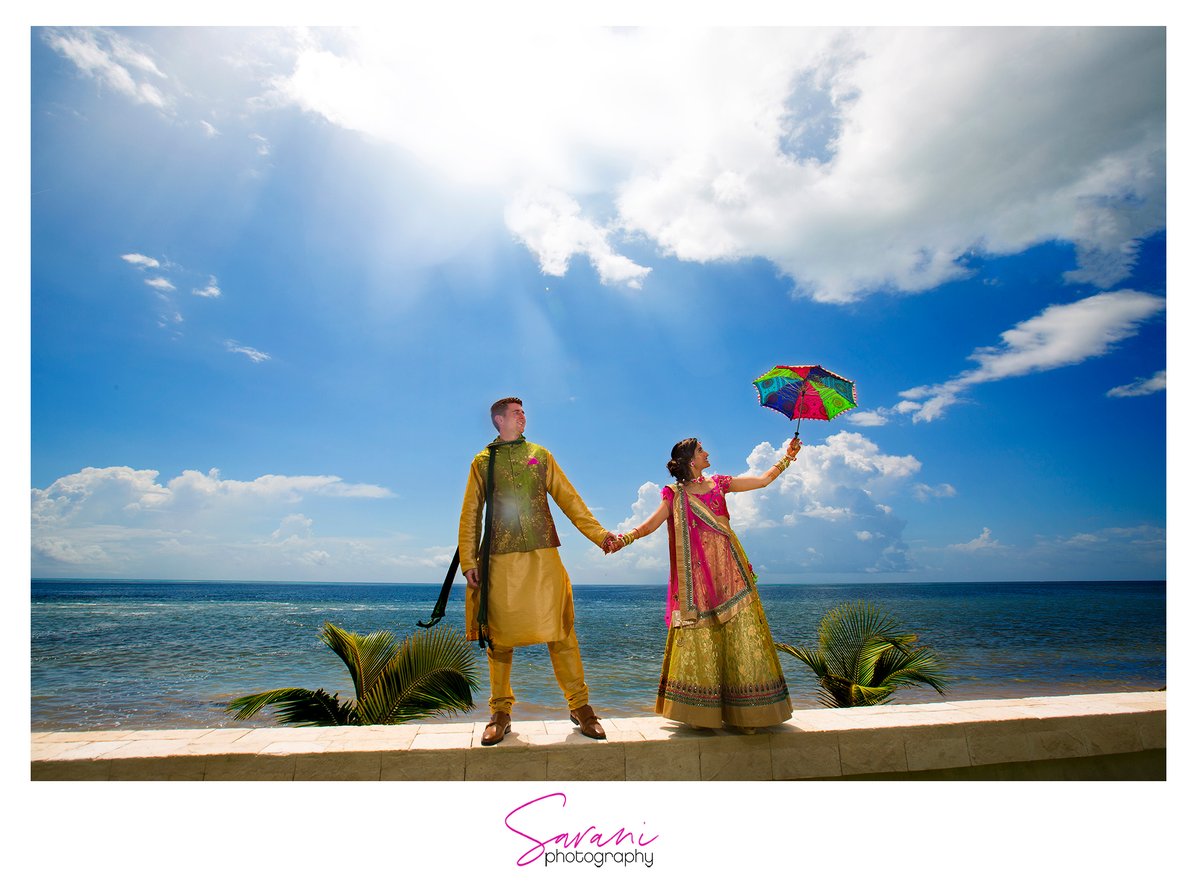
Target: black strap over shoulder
[439,607]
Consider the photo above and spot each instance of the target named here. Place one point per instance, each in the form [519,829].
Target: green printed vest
[521,520]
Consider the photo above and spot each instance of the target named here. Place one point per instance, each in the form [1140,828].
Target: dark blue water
[170,654]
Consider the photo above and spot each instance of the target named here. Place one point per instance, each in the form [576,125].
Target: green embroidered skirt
[724,673]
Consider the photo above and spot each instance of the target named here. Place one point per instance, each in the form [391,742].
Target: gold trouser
[568,670]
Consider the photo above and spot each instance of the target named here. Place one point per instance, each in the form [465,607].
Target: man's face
[512,421]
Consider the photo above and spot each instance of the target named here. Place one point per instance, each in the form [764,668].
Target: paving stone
[1058,738]
[1152,731]
[455,740]
[76,736]
[446,727]
[40,752]
[936,747]
[871,752]
[339,766]
[425,765]
[662,761]
[805,755]
[525,766]
[605,762]
[222,736]
[992,742]
[1110,734]
[741,758]
[377,742]
[169,768]
[247,767]
[173,734]
[77,770]
[293,747]
[145,749]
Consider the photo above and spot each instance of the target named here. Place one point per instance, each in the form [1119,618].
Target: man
[529,593]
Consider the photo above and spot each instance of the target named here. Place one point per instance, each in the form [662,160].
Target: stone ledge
[888,741]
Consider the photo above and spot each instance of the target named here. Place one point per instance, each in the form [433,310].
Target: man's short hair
[500,406]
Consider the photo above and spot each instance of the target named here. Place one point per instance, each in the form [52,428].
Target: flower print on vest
[532,462]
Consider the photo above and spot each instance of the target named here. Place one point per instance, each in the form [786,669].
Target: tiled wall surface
[882,741]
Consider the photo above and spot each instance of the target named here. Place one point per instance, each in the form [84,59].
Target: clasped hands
[611,543]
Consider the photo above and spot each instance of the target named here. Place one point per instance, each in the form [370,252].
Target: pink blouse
[714,498]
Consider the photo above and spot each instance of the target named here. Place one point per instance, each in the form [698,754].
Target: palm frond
[913,666]
[364,656]
[814,660]
[430,672]
[295,706]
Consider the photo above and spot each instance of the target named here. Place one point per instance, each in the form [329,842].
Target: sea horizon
[138,653]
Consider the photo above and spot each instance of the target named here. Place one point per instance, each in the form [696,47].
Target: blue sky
[277,276]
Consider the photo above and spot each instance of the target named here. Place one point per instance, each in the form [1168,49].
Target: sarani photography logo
[549,835]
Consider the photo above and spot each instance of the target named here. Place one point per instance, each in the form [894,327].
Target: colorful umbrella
[805,392]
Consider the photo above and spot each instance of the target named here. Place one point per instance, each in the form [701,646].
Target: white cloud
[294,525]
[549,224]
[209,129]
[985,541]
[842,156]
[1142,386]
[127,522]
[136,258]
[872,418]
[648,556]
[212,290]
[112,60]
[923,492]
[263,148]
[1061,335]
[162,284]
[256,356]
[822,515]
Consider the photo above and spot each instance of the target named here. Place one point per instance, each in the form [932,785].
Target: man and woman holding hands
[720,665]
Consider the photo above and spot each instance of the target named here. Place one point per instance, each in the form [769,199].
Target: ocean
[170,654]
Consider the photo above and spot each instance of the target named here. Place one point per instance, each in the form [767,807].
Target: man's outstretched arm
[572,505]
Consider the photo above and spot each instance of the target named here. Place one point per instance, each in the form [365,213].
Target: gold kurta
[529,592]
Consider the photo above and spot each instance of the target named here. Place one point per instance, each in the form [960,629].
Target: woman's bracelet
[784,464]
[629,538]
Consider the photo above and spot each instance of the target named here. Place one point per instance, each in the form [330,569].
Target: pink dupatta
[693,596]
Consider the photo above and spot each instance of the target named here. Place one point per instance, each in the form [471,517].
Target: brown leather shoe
[589,723]
[498,726]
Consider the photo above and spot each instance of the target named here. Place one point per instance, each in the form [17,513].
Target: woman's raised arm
[749,483]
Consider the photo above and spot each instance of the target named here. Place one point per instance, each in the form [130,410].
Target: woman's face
[700,458]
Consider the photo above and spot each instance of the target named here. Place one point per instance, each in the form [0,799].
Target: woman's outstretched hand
[793,448]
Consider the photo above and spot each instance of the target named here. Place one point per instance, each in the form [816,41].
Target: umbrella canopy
[805,392]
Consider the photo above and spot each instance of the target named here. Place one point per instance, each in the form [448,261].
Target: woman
[720,663]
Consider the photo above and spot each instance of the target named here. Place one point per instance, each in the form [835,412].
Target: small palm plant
[429,672]
[863,656]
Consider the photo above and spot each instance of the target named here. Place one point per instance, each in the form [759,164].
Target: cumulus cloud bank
[854,160]
[124,521]
[827,513]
